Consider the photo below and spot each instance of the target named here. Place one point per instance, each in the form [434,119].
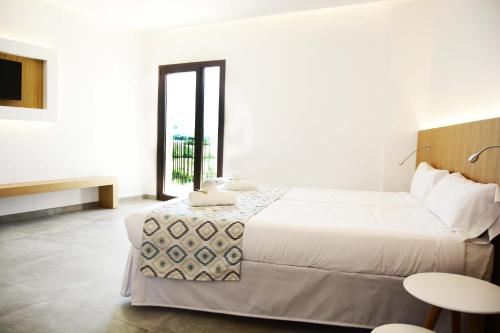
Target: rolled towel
[214,198]
[208,186]
[240,185]
[219,180]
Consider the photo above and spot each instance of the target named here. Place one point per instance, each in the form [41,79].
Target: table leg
[432,317]
[455,322]
[475,323]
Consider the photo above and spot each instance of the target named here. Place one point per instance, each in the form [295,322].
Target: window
[190,126]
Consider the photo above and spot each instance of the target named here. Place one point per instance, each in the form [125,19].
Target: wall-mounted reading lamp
[413,152]
[474,157]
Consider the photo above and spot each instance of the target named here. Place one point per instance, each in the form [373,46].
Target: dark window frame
[197,67]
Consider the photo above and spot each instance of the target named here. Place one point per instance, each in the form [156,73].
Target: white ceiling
[166,14]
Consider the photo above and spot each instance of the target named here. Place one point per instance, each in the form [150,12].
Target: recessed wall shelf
[38,84]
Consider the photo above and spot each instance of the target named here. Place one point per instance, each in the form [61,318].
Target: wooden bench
[108,188]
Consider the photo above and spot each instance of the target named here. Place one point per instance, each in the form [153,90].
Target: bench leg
[108,196]
[432,317]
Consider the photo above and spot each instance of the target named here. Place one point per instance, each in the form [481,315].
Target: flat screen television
[10,79]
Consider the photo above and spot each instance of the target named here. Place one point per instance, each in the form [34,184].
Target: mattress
[383,233]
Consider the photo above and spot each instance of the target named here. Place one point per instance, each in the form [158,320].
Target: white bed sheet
[403,199]
[348,231]
[370,239]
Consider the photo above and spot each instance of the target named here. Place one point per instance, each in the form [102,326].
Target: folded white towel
[214,198]
[218,180]
[208,186]
[240,185]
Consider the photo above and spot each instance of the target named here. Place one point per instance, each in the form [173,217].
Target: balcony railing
[183,159]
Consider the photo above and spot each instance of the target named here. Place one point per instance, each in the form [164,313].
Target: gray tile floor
[56,278]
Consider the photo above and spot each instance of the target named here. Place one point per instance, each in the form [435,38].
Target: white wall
[342,92]
[306,93]
[410,37]
[445,69]
[101,104]
[328,98]
[465,62]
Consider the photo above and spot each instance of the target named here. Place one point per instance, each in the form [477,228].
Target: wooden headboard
[451,147]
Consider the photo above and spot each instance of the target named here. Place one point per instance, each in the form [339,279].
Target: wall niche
[35,96]
[31,82]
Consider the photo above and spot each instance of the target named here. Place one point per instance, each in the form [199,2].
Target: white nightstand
[457,293]
[401,328]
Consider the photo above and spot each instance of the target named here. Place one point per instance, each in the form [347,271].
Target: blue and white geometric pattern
[151,226]
[200,243]
[204,255]
[176,253]
[149,250]
[233,255]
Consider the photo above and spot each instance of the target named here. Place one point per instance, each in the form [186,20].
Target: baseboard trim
[137,197]
[66,209]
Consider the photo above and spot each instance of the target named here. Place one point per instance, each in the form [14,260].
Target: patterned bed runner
[200,243]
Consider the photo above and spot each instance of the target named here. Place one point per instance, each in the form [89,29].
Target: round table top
[401,328]
[455,292]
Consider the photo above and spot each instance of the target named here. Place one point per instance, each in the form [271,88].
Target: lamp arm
[473,158]
[413,152]
[488,147]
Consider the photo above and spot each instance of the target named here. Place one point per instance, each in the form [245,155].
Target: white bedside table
[457,293]
[401,328]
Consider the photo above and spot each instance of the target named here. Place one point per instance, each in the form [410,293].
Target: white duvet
[350,231]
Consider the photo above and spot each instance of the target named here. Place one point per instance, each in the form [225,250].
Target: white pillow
[467,207]
[424,179]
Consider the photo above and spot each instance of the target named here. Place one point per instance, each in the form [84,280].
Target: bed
[324,256]
[363,241]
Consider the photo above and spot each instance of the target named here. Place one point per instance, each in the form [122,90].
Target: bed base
[286,293]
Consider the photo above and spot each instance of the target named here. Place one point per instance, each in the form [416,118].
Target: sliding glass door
[190,126]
